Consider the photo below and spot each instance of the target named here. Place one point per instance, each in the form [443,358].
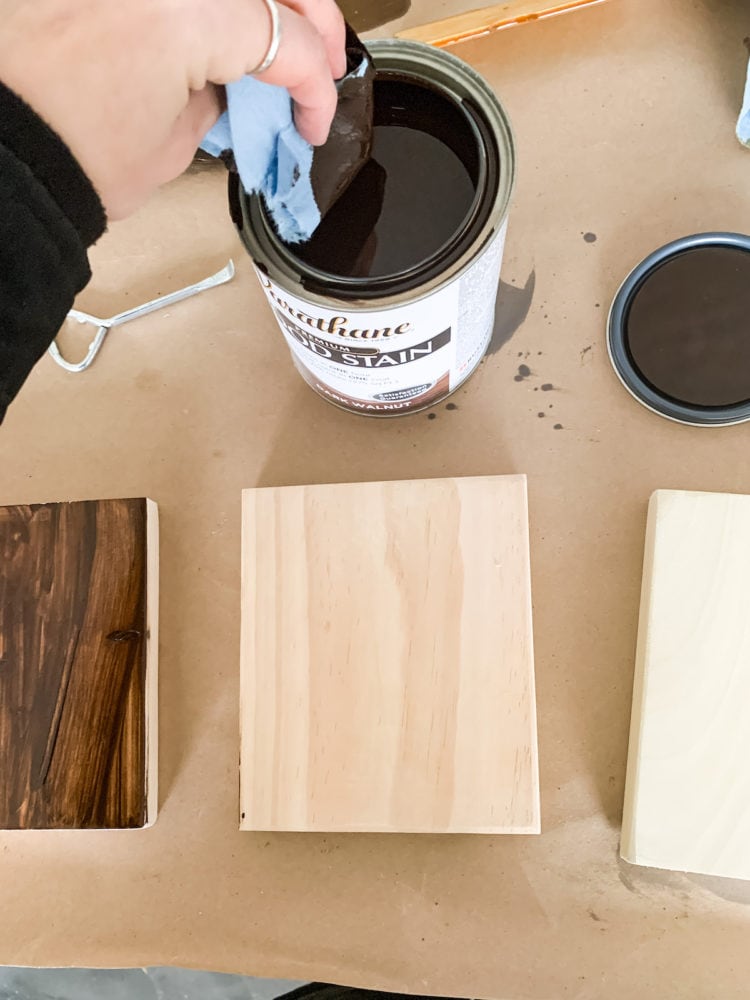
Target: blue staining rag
[271,156]
[273,159]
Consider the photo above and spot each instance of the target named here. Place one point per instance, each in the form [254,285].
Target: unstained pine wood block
[78,665]
[687,794]
[387,664]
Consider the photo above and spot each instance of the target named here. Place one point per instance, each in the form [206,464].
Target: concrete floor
[134,984]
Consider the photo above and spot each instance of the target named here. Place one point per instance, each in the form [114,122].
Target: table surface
[624,115]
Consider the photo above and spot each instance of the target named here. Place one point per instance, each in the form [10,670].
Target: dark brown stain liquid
[688,327]
[412,198]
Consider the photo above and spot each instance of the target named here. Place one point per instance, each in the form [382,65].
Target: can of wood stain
[389,308]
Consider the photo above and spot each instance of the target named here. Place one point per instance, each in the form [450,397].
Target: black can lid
[679,330]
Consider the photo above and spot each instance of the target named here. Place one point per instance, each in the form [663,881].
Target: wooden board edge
[629,833]
[152,662]
[535,826]
[450,831]
[259,490]
[244,806]
[483,21]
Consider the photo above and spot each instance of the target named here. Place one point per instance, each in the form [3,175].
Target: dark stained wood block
[78,645]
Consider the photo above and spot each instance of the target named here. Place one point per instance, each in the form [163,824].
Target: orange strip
[486,19]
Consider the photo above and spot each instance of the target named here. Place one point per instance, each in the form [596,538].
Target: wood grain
[483,20]
[78,618]
[687,793]
[387,664]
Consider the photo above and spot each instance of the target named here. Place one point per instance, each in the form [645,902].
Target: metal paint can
[399,343]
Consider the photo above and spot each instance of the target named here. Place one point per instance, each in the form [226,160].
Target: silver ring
[273,45]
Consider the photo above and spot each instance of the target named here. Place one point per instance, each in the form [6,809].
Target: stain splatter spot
[558,427]
[523,373]
[590,237]
[594,916]
[148,380]
[511,309]
[451,406]
[596,305]
[547,387]
[431,416]
[541,413]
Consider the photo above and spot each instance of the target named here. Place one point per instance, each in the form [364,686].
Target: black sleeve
[49,215]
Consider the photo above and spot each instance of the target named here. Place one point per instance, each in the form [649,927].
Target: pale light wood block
[387,658]
[687,794]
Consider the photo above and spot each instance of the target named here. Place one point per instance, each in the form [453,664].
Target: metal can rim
[411,56]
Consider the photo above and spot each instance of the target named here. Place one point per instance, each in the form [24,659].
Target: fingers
[329,23]
[230,38]
[302,66]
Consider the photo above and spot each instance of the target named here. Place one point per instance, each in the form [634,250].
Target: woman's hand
[133,87]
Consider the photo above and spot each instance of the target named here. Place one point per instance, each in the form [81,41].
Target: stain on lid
[679,330]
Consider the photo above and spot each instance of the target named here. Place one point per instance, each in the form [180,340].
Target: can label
[400,358]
